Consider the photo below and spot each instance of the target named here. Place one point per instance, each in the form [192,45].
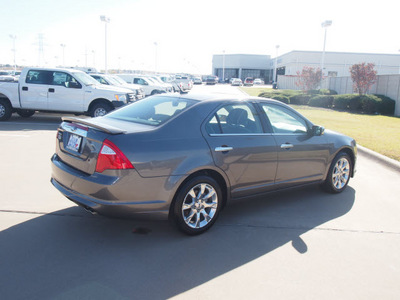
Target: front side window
[64,79]
[234,119]
[284,121]
[153,111]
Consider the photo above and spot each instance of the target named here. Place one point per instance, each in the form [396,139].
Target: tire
[25,113]
[339,174]
[197,205]
[5,110]
[100,109]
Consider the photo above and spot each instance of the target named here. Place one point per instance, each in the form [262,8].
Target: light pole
[94,58]
[13,49]
[275,79]
[63,49]
[325,25]
[223,66]
[155,57]
[106,21]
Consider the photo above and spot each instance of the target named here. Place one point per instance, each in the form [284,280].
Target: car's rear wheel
[5,110]
[339,173]
[197,205]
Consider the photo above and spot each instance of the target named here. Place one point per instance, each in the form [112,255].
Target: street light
[275,79]
[106,21]
[63,47]
[325,25]
[155,57]
[223,66]
[13,49]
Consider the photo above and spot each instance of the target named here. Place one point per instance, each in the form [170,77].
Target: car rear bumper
[127,195]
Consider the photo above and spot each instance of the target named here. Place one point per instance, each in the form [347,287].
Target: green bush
[387,106]
[321,101]
[300,99]
[341,102]
[370,104]
[322,92]
[355,103]
[281,98]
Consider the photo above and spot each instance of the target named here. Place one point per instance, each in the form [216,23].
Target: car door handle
[24,88]
[223,149]
[51,90]
[286,146]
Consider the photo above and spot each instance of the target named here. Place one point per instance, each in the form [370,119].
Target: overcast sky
[188,33]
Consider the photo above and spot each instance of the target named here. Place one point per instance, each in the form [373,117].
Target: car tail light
[110,157]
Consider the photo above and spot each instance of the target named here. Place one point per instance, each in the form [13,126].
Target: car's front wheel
[197,205]
[100,109]
[339,173]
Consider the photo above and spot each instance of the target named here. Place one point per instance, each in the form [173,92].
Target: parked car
[149,86]
[184,82]
[59,90]
[237,82]
[168,86]
[258,81]
[197,80]
[116,81]
[248,81]
[186,156]
[211,79]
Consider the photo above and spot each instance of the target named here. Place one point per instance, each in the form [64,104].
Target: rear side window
[39,77]
[235,119]
[152,111]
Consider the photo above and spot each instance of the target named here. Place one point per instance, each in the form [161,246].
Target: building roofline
[339,52]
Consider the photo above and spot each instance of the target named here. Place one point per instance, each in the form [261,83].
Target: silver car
[186,156]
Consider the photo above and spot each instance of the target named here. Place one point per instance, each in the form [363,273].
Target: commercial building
[227,66]
[336,64]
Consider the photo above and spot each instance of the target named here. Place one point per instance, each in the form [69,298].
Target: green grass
[378,133]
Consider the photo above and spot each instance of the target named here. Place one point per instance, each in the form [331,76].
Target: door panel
[62,97]
[302,157]
[242,150]
[33,93]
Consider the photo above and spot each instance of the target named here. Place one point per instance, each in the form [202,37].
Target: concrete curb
[391,163]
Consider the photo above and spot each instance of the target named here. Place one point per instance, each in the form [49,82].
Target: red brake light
[110,157]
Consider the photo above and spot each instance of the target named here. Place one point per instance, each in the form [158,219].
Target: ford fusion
[183,157]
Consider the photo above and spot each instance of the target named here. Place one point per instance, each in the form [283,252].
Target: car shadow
[67,254]
[39,121]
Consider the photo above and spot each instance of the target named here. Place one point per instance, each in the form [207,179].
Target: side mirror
[74,85]
[317,130]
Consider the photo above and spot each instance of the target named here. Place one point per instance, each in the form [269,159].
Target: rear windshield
[154,110]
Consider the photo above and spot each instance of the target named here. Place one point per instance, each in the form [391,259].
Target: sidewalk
[391,163]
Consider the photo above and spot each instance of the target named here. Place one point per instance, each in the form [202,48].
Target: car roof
[219,97]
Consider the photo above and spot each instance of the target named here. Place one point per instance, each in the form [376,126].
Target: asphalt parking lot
[298,244]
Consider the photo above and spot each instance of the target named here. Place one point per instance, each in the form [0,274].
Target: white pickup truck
[59,90]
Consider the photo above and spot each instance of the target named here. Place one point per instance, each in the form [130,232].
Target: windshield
[85,78]
[151,80]
[156,79]
[119,80]
[154,111]
[113,81]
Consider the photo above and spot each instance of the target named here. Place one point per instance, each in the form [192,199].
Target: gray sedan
[186,156]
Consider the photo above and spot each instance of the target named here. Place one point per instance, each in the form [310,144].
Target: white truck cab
[59,90]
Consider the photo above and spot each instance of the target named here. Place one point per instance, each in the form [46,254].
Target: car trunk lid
[79,142]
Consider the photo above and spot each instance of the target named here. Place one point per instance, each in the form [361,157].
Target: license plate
[74,142]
